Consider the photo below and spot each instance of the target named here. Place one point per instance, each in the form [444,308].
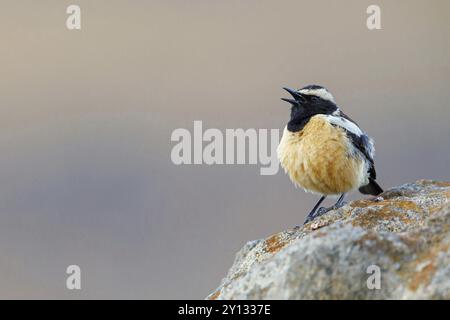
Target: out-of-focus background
[86,118]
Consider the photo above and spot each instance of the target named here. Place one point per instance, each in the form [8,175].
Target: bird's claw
[321,211]
[337,206]
[318,213]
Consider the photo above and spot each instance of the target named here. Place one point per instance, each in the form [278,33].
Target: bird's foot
[322,210]
[319,212]
[308,219]
[339,205]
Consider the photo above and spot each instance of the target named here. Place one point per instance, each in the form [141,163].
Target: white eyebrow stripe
[321,93]
[346,124]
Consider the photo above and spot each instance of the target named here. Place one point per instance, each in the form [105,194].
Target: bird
[324,151]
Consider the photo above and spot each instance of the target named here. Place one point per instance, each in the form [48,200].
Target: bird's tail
[371,188]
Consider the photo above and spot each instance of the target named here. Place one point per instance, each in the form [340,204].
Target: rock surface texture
[404,233]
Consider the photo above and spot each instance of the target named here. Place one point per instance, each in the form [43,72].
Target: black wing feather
[364,145]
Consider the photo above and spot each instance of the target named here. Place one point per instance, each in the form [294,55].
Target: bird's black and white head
[308,102]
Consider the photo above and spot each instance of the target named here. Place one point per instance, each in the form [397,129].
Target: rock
[404,233]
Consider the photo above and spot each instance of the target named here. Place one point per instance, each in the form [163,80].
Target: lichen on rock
[405,233]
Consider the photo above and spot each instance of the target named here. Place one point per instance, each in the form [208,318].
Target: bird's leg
[312,214]
[340,203]
[321,211]
[337,205]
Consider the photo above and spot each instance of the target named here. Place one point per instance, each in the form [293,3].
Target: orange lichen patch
[400,204]
[426,263]
[371,218]
[215,295]
[422,277]
[275,243]
[389,209]
[363,203]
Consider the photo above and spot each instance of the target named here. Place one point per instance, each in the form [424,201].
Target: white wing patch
[370,147]
[346,124]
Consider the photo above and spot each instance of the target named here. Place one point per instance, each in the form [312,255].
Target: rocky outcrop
[396,246]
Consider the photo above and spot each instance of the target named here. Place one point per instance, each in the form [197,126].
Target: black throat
[302,113]
[300,118]
[298,123]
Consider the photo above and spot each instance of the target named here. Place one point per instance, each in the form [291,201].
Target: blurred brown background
[86,118]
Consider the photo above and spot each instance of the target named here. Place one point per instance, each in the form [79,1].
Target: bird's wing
[358,138]
[365,145]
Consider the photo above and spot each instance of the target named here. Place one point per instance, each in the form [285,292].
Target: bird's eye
[314,98]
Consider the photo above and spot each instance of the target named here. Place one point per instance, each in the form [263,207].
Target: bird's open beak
[298,97]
